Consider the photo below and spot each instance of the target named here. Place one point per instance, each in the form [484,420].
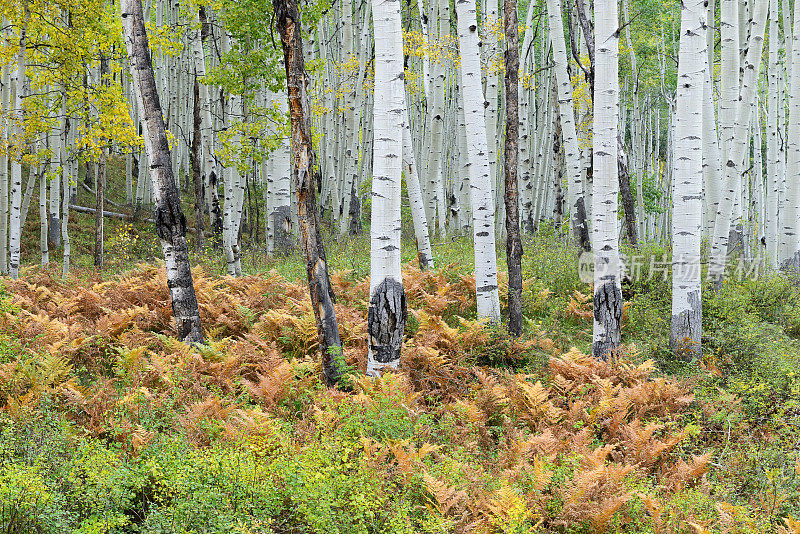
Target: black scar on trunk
[608,312]
[386,320]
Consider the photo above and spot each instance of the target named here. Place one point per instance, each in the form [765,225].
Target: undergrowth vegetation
[110,425]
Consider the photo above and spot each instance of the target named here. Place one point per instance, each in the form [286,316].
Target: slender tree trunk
[479,177]
[421,228]
[5,123]
[100,171]
[567,118]
[735,154]
[513,240]
[792,209]
[687,314]
[287,18]
[607,289]
[170,221]
[387,315]
[628,204]
[197,174]
[15,214]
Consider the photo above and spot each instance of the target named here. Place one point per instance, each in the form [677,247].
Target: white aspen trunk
[354,119]
[424,253]
[435,193]
[783,249]
[490,48]
[567,117]
[54,215]
[712,160]
[280,207]
[170,221]
[636,168]
[524,167]
[792,207]
[387,305]
[427,82]
[65,185]
[772,221]
[465,210]
[480,178]
[607,288]
[738,145]
[15,226]
[733,31]
[5,125]
[686,331]
[43,219]
[756,189]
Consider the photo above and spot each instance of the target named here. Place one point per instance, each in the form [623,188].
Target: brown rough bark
[197,177]
[287,17]
[513,240]
[625,191]
[100,187]
[169,218]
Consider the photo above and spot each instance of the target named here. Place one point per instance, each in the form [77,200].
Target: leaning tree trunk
[480,180]
[287,17]
[607,289]
[687,203]
[421,228]
[387,315]
[170,221]
[513,240]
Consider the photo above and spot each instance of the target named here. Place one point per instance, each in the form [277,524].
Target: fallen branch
[123,216]
[90,190]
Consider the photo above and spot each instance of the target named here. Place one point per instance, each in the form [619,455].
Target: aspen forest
[400,266]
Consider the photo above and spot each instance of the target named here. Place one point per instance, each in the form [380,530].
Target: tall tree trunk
[479,178]
[197,175]
[5,123]
[792,209]
[513,240]
[607,289]
[628,204]
[687,314]
[421,228]
[387,315]
[566,116]
[15,213]
[735,154]
[287,18]
[170,221]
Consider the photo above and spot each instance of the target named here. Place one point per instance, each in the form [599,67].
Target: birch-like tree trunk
[687,202]
[170,221]
[15,212]
[480,179]
[567,117]
[772,222]
[792,207]
[738,144]
[421,229]
[5,124]
[607,288]
[387,315]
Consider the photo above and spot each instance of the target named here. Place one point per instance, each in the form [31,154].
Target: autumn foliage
[600,445]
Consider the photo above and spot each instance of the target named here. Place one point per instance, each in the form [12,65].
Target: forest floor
[107,424]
